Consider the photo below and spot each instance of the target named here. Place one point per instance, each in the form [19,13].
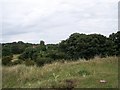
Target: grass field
[75,74]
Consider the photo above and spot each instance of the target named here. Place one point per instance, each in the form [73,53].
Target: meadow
[67,74]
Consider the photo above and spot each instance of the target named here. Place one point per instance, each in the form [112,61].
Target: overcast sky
[54,20]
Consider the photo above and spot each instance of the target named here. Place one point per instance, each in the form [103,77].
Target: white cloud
[54,20]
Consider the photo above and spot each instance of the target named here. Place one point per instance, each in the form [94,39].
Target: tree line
[75,47]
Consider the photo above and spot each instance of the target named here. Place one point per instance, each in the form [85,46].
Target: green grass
[77,74]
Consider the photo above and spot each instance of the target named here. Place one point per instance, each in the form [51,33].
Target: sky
[55,20]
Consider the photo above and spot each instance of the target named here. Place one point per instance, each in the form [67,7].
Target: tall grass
[74,74]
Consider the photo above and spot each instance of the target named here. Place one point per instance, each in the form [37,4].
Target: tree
[115,37]
[42,46]
[42,42]
[6,50]
[86,46]
[28,54]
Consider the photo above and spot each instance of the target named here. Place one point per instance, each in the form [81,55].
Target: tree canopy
[75,47]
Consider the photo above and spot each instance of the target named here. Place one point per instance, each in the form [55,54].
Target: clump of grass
[55,76]
[84,73]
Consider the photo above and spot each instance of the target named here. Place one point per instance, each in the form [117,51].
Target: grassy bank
[75,74]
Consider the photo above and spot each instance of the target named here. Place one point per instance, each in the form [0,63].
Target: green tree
[115,37]
[86,46]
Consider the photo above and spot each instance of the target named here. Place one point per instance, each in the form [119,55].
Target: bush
[42,61]
[29,63]
[6,60]
[17,62]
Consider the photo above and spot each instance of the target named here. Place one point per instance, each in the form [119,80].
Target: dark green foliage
[42,61]
[42,43]
[14,48]
[6,60]
[75,47]
[28,53]
[42,46]
[87,46]
[115,37]
[29,62]
[40,55]
[56,55]
[6,50]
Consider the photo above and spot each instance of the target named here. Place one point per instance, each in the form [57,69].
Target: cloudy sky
[54,20]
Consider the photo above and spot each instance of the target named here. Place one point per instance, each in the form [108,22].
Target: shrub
[17,62]
[6,60]
[29,62]
[42,61]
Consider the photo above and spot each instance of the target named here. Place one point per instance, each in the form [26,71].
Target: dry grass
[65,74]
